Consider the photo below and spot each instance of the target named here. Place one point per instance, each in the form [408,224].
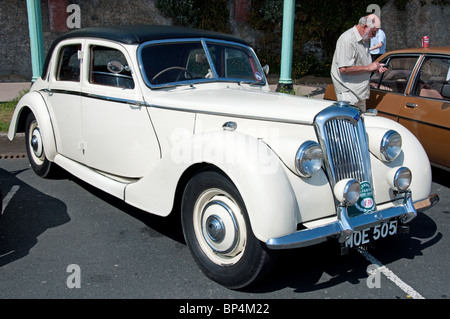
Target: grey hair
[370,22]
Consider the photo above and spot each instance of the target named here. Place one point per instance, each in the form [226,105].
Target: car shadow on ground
[441,176]
[29,213]
[322,266]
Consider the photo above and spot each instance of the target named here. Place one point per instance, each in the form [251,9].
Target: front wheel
[217,230]
[35,148]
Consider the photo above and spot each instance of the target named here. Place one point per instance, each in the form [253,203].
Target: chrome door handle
[412,105]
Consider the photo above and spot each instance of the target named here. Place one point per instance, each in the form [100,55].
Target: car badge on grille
[365,203]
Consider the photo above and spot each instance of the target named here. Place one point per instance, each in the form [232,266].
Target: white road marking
[8,197]
[390,275]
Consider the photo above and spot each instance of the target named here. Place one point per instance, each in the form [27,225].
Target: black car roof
[137,34]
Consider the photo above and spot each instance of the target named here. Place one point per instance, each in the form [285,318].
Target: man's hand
[377,67]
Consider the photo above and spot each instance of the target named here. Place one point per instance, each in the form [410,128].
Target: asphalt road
[61,238]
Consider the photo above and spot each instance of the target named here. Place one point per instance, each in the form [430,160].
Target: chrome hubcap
[36,145]
[36,142]
[215,229]
[219,227]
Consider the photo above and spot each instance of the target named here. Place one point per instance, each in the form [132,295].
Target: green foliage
[308,64]
[7,110]
[209,15]
[320,21]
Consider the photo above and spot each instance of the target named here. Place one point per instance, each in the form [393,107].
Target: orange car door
[388,89]
[425,111]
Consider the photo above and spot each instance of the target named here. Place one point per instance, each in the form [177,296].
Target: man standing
[378,45]
[352,64]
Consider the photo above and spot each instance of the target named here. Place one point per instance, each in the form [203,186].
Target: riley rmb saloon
[182,120]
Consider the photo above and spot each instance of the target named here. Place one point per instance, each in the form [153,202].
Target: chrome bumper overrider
[344,226]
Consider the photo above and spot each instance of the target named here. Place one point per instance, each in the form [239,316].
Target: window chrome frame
[387,60]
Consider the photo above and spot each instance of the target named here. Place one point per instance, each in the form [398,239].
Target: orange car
[415,91]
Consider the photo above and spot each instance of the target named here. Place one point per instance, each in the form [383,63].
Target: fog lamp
[347,191]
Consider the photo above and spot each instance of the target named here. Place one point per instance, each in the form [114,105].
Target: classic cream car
[171,119]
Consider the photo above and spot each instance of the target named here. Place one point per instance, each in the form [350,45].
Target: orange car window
[432,78]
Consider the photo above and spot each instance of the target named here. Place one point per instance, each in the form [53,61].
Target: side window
[433,79]
[109,67]
[233,62]
[395,79]
[69,64]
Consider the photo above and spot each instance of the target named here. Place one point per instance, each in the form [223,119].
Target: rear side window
[110,67]
[433,79]
[69,64]
[396,78]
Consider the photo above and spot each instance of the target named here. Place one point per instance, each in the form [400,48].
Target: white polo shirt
[351,50]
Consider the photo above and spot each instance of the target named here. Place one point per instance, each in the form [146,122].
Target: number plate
[365,236]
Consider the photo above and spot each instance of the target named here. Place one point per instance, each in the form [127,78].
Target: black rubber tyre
[217,230]
[35,148]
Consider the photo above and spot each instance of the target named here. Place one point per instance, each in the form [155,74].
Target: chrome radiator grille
[342,136]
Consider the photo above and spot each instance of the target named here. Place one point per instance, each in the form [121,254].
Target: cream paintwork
[64,109]
[184,128]
[34,102]
[117,138]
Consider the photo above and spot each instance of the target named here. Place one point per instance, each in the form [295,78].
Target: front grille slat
[343,139]
[345,148]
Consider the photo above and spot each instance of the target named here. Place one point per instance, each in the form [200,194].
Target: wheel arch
[33,102]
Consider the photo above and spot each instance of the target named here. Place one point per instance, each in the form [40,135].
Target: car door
[118,136]
[425,110]
[388,89]
[63,97]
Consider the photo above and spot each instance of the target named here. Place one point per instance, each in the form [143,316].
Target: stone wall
[15,61]
[404,28]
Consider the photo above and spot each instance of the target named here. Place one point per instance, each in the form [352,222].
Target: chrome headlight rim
[308,159]
[389,152]
[402,179]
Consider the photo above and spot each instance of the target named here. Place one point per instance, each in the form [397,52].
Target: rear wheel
[35,148]
[217,230]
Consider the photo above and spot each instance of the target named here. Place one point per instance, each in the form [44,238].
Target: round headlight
[391,146]
[347,191]
[400,179]
[308,159]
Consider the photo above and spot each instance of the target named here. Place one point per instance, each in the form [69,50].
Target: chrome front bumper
[345,226]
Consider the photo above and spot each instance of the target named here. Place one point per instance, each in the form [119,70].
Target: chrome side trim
[343,227]
[145,104]
[96,96]
[248,117]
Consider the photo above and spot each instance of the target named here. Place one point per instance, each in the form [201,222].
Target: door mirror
[116,67]
[446,91]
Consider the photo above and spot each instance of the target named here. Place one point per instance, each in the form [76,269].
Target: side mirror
[116,67]
[446,91]
[266,69]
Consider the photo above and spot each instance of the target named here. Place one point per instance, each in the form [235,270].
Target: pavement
[16,148]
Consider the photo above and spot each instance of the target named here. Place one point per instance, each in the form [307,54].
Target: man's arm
[375,66]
